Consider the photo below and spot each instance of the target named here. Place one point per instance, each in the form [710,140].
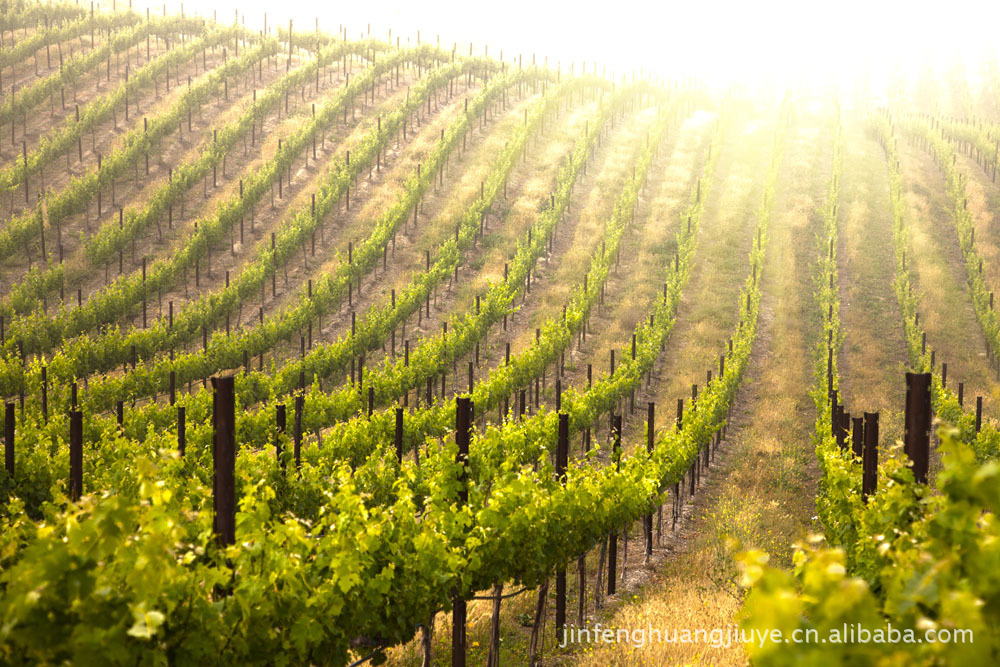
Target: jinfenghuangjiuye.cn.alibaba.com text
[733,635]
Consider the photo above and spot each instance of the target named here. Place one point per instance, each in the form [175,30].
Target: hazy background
[773,42]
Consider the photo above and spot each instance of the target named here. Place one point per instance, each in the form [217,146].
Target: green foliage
[925,562]
[110,239]
[126,34]
[323,556]
[90,353]
[16,233]
[907,557]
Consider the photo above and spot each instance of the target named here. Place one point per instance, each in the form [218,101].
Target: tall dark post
[75,455]
[917,423]
[300,402]
[843,425]
[120,413]
[834,417]
[616,425]
[398,438]
[8,435]
[562,460]
[857,436]
[181,431]
[224,459]
[648,519]
[979,413]
[463,423]
[869,460]
[280,424]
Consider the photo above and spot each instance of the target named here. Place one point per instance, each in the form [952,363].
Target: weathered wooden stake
[8,442]
[463,422]
[399,435]
[917,423]
[648,519]
[562,460]
[616,428]
[869,460]
[857,436]
[224,459]
[280,425]
[297,433]
[181,431]
[75,455]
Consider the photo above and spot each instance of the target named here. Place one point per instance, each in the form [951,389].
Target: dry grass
[296,195]
[708,309]
[442,208]
[560,274]
[576,236]
[375,195]
[872,360]
[175,150]
[648,248]
[104,139]
[946,311]
[592,201]
[546,151]
[983,200]
[759,493]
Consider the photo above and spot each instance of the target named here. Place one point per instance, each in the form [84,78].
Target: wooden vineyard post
[842,421]
[8,438]
[224,459]
[463,422]
[648,519]
[979,413]
[616,426]
[590,384]
[857,436]
[297,434]
[75,455]
[398,436]
[869,460]
[181,432]
[834,416]
[562,459]
[678,485]
[280,424]
[917,423]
